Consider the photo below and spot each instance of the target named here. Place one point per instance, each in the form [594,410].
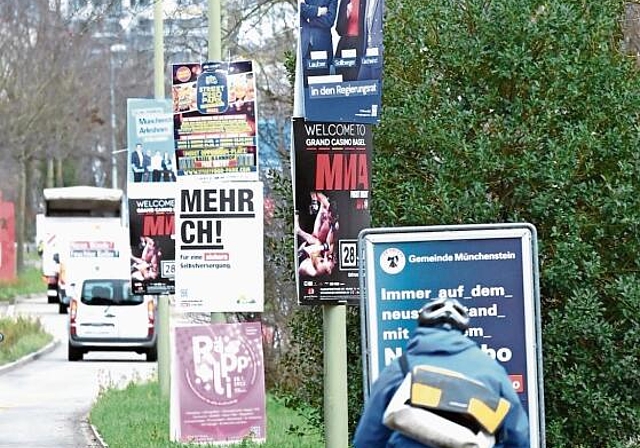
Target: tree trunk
[50,166]
[59,176]
[20,218]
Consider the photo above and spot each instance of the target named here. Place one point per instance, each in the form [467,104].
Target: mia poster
[332,172]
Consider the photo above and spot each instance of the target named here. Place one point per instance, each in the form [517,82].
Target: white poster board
[219,245]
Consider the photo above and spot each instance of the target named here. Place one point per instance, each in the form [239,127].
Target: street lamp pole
[115,48]
[114,164]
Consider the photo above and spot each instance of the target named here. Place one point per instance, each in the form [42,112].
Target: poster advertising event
[331,197]
[491,270]
[152,240]
[214,113]
[217,387]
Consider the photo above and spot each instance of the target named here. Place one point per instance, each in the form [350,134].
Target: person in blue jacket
[439,341]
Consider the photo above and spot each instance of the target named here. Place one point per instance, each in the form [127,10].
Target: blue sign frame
[492,269]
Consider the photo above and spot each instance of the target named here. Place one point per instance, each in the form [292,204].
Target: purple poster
[218,392]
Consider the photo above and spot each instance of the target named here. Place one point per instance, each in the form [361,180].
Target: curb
[30,357]
[96,435]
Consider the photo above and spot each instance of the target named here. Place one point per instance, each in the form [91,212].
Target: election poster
[7,240]
[491,269]
[219,245]
[341,54]
[214,112]
[150,143]
[332,172]
[151,195]
[217,387]
[152,240]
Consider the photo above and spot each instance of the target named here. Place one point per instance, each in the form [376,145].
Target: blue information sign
[490,269]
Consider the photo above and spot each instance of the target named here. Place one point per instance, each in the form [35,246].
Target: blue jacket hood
[438,340]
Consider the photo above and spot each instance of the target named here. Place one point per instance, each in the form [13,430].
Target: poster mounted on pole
[332,165]
[151,195]
[217,388]
[214,111]
[341,50]
[219,245]
[491,269]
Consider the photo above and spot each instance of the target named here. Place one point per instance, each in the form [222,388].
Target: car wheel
[51,299]
[152,354]
[75,354]
[62,308]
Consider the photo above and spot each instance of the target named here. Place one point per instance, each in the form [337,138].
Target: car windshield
[109,292]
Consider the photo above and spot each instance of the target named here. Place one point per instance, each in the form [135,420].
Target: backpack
[443,408]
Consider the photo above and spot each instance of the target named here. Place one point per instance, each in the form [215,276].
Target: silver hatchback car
[105,316]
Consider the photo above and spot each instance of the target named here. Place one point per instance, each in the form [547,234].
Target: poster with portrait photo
[152,240]
[341,56]
[332,172]
[150,147]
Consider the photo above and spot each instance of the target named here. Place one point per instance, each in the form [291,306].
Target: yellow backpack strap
[448,391]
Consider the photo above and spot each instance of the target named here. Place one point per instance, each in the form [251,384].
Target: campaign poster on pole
[150,144]
[7,240]
[332,172]
[491,269]
[217,388]
[151,195]
[214,111]
[341,50]
[219,245]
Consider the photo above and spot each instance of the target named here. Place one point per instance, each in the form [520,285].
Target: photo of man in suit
[137,163]
[316,21]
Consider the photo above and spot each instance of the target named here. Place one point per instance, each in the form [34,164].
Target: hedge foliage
[523,111]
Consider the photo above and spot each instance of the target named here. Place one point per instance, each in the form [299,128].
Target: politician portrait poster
[340,52]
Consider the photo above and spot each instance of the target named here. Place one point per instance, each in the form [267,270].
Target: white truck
[88,215]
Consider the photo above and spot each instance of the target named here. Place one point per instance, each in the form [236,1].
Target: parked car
[105,316]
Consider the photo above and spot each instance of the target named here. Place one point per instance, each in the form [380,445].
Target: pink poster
[7,241]
[217,384]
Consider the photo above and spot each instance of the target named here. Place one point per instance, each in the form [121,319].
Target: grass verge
[28,282]
[137,416]
[22,336]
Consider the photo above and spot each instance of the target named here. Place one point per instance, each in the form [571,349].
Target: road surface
[44,403]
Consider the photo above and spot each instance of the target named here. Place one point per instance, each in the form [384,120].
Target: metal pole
[164,317]
[336,409]
[215,34]
[114,164]
[215,54]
